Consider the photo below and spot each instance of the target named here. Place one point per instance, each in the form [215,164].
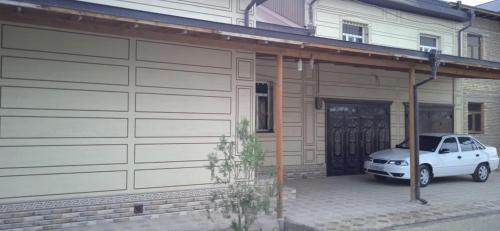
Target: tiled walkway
[353,203]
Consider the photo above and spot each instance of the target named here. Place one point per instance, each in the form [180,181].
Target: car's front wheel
[425,175]
[482,173]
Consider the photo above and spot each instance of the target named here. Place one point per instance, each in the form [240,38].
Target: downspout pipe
[472,17]
[434,59]
[310,26]
[249,7]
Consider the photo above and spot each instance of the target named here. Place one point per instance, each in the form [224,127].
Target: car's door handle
[459,157]
[477,155]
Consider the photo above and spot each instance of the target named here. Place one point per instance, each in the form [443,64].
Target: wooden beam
[278,131]
[411,134]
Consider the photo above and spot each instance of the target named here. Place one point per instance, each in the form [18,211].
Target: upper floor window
[475,117]
[264,106]
[473,46]
[428,43]
[353,32]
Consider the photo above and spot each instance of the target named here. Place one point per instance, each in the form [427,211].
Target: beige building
[112,106]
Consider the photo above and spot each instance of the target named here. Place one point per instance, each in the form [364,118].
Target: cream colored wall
[386,27]
[225,11]
[304,126]
[84,114]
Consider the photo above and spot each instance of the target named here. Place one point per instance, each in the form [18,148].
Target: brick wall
[486,91]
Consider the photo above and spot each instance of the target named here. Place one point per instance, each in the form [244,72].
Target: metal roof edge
[442,11]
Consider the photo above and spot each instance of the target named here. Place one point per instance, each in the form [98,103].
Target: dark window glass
[428,41]
[473,46]
[466,144]
[429,143]
[264,106]
[474,118]
[261,88]
[450,144]
[477,144]
[352,29]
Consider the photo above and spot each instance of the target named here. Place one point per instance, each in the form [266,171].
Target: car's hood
[394,154]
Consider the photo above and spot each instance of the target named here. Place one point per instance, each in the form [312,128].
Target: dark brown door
[355,130]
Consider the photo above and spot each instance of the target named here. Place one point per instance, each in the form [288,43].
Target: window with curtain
[428,43]
[473,46]
[264,106]
[475,118]
[353,32]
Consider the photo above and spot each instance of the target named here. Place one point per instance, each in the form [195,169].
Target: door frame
[329,101]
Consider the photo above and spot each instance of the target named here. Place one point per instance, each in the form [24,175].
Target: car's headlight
[368,158]
[398,162]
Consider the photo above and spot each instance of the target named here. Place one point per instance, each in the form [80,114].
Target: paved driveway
[361,203]
[352,203]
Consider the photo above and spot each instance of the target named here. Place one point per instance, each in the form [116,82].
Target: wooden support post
[411,134]
[278,131]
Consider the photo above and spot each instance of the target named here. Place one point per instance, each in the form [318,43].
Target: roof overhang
[430,8]
[126,22]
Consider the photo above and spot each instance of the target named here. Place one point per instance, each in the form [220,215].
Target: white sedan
[440,155]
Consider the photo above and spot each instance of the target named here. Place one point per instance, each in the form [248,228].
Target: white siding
[385,27]
[225,11]
[85,114]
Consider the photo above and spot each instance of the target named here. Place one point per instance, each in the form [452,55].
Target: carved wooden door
[354,130]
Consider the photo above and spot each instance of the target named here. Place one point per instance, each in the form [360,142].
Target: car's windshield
[427,143]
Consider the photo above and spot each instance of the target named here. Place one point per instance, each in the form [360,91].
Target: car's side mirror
[444,150]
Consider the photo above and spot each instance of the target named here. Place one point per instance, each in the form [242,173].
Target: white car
[440,155]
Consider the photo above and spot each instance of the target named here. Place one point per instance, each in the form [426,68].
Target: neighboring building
[482,97]
[109,104]
[493,5]
[312,143]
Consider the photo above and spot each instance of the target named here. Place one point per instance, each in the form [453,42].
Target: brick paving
[361,203]
[349,203]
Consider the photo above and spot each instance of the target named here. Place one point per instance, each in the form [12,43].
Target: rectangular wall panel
[182,54]
[182,103]
[154,153]
[244,103]
[159,178]
[63,99]
[63,183]
[62,155]
[182,79]
[37,39]
[309,124]
[182,128]
[63,71]
[62,127]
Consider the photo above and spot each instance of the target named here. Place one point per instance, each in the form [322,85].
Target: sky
[471,2]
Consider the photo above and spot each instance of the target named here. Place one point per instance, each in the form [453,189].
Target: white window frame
[354,36]
[270,107]
[480,47]
[428,48]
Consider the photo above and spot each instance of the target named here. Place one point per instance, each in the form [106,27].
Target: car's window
[427,143]
[466,144]
[477,145]
[450,144]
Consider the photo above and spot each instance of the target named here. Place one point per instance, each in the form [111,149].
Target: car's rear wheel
[425,175]
[482,173]
[380,178]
